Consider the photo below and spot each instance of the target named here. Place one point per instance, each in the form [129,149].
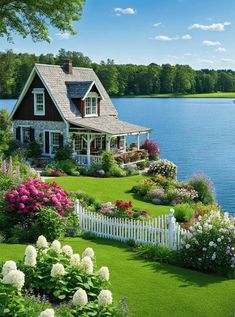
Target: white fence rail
[83,159]
[163,230]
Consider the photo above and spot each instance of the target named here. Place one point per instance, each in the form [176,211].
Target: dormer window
[39,101]
[91,105]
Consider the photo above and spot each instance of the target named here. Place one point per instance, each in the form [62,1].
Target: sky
[199,33]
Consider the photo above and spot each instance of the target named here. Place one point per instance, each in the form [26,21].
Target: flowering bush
[204,187]
[31,195]
[152,148]
[163,167]
[57,274]
[210,246]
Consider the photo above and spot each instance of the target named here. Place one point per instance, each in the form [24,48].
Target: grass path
[110,189]
[151,289]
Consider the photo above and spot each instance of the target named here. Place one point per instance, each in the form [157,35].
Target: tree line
[118,79]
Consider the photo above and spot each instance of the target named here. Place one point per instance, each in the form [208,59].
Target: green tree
[30,17]
[107,73]
[77,58]
[8,73]
[5,131]
[167,78]
[225,81]
[184,80]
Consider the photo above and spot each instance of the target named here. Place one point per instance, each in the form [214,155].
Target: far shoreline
[228,95]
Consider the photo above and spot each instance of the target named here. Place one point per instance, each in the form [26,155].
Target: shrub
[210,246]
[34,149]
[68,166]
[72,225]
[108,161]
[163,167]
[155,253]
[152,148]
[141,165]
[204,187]
[64,153]
[116,171]
[143,188]
[183,212]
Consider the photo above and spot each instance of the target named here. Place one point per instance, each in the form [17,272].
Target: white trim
[35,93]
[89,89]
[91,95]
[44,140]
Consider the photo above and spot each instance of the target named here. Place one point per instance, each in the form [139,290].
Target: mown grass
[110,189]
[153,289]
[205,95]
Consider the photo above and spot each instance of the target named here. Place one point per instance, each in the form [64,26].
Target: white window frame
[50,139]
[39,91]
[90,96]
[21,133]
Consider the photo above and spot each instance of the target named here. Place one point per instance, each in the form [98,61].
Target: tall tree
[30,17]
[167,78]
[5,131]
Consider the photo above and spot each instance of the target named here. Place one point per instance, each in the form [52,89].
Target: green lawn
[151,289]
[206,95]
[110,189]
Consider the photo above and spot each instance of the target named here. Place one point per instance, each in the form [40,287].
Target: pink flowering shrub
[152,148]
[211,245]
[33,194]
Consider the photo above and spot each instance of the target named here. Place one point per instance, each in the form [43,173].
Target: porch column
[88,150]
[108,142]
[147,136]
[138,142]
[124,145]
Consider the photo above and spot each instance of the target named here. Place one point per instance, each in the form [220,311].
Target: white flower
[105,298]
[15,278]
[75,260]
[57,270]
[211,243]
[213,256]
[8,266]
[187,246]
[47,313]
[80,298]
[87,264]
[219,240]
[88,252]
[67,250]
[56,246]
[42,242]
[204,249]
[104,273]
[30,261]
[30,251]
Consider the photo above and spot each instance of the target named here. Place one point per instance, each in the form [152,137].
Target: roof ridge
[52,65]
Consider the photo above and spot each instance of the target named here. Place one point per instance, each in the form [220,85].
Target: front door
[52,142]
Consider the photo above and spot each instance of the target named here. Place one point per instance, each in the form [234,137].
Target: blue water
[197,134]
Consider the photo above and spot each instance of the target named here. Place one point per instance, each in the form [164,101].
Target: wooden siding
[25,110]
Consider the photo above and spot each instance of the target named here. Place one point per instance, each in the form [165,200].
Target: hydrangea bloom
[14,278]
[80,298]
[87,264]
[88,252]
[105,298]
[30,251]
[57,270]
[8,266]
[104,273]
[67,250]
[56,246]
[42,242]
[47,313]
[75,260]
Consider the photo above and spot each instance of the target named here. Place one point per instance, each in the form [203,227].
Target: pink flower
[61,213]
[24,198]
[45,199]
[21,206]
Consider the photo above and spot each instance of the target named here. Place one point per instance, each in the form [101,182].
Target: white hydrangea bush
[165,168]
[211,244]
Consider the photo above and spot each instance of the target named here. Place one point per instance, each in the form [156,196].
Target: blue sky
[195,32]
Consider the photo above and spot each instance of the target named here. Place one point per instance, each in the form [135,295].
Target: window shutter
[31,134]
[61,140]
[47,145]
[18,133]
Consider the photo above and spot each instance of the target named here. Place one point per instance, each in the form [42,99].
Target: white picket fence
[163,230]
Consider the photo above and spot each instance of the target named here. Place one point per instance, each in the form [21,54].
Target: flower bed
[62,277]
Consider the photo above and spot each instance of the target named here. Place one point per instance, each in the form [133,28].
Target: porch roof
[110,125]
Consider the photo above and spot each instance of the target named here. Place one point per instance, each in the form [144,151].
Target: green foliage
[34,149]
[11,302]
[155,253]
[64,153]
[204,187]
[183,212]
[5,129]
[116,171]
[72,227]
[33,18]
[7,181]
[68,166]
[108,161]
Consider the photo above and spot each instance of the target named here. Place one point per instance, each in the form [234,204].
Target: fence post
[76,207]
[171,229]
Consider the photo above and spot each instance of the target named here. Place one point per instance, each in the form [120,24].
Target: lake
[198,135]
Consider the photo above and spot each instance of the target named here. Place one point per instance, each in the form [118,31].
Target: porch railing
[82,159]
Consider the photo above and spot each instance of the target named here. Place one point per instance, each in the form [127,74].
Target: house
[64,104]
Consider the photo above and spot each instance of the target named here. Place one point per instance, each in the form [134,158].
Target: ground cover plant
[143,283]
[59,275]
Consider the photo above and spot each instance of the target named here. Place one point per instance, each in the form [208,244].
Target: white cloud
[211,43]
[157,24]
[186,37]
[221,49]
[206,61]
[228,60]
[165,38]
[126,11]
[63,35]
[210,27]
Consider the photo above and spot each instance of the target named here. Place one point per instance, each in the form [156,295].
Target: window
[78,143]
[55,142]
[25,135]
[91,106]
[98,142]
[39,101]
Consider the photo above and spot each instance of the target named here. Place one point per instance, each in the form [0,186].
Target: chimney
[68,66]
